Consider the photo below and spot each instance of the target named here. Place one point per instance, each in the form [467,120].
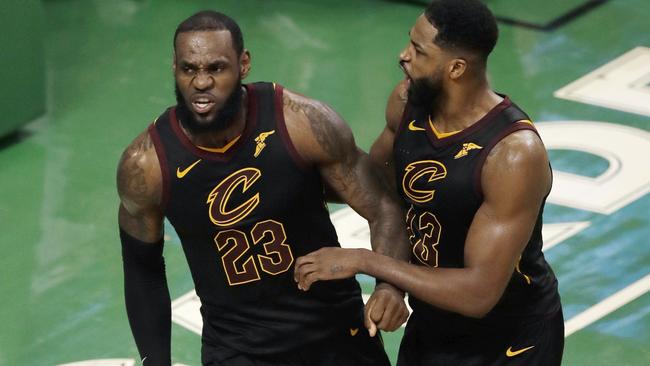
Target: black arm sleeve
[146,295]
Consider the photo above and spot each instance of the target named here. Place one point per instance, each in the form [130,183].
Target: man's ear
[457,67]
[244,63]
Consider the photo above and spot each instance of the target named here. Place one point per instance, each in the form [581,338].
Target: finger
[378,309]
[309,279]
[399,313]
[372,331]
[296,274]
[404,314]
[405,318]
[369,323]
[366,308]
[394,309]
[398,317]
[301,275]
[371,312]
[298,270]
[385,322]
[305,259]
[393,312]
[304,282]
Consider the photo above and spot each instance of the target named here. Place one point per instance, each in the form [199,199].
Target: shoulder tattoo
[132,176]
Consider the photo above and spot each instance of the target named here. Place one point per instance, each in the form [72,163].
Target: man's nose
[203,80]
[404,56]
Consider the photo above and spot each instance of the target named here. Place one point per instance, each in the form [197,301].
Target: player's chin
[204,119]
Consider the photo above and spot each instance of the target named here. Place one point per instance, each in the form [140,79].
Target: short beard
[425,92]
[224,118]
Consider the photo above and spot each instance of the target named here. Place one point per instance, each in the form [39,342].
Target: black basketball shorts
[539,343]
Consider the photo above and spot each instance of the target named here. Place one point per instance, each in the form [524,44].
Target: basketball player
[474,175]
[239,172]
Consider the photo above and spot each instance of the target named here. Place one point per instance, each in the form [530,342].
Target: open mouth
[407,77]
[202,105]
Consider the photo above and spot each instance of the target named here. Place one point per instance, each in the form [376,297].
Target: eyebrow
[217,63]
[415,44]
[220,62]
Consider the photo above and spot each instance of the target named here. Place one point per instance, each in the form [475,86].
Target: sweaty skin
[206,69]
[516,168]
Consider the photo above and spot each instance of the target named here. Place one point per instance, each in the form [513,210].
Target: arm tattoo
[326,134]
[291,104]
[137,184]
[360,186]
[132,175]
[319,117]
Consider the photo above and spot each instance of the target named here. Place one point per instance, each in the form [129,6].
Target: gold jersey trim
[440,135]
[220,150]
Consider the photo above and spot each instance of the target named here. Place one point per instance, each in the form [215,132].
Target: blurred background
[81,78]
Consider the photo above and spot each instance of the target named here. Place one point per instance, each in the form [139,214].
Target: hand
[385,309]
[330,263]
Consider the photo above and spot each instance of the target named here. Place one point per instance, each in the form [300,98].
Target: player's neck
[464,106]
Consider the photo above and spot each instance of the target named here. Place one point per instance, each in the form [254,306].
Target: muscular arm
[515,179]
[139,185]
[322,138]
[381,152]
[141,228]
[327,142]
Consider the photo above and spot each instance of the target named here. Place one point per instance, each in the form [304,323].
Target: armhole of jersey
[282,127]
[162,162]
[478,169]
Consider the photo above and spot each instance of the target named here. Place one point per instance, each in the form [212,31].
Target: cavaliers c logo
[220,215]
[417,188]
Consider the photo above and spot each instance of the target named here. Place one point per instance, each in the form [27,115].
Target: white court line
[185,310]
[353,232]
[607,306]
[594,313]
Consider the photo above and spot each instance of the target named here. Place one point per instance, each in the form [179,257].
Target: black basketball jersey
[440,179]
[243,217]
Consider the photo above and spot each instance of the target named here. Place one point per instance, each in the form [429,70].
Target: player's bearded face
[221,120]
[426,91]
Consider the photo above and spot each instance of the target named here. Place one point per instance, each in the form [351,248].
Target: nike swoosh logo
[354,331]
[181,173]
[511,353]
[413,127]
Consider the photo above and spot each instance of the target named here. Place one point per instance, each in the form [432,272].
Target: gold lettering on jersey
[466,147]
[416,176]
[239,181]
[260,142]
[424,235]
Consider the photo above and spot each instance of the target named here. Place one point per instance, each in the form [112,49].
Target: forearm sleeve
[146,295]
